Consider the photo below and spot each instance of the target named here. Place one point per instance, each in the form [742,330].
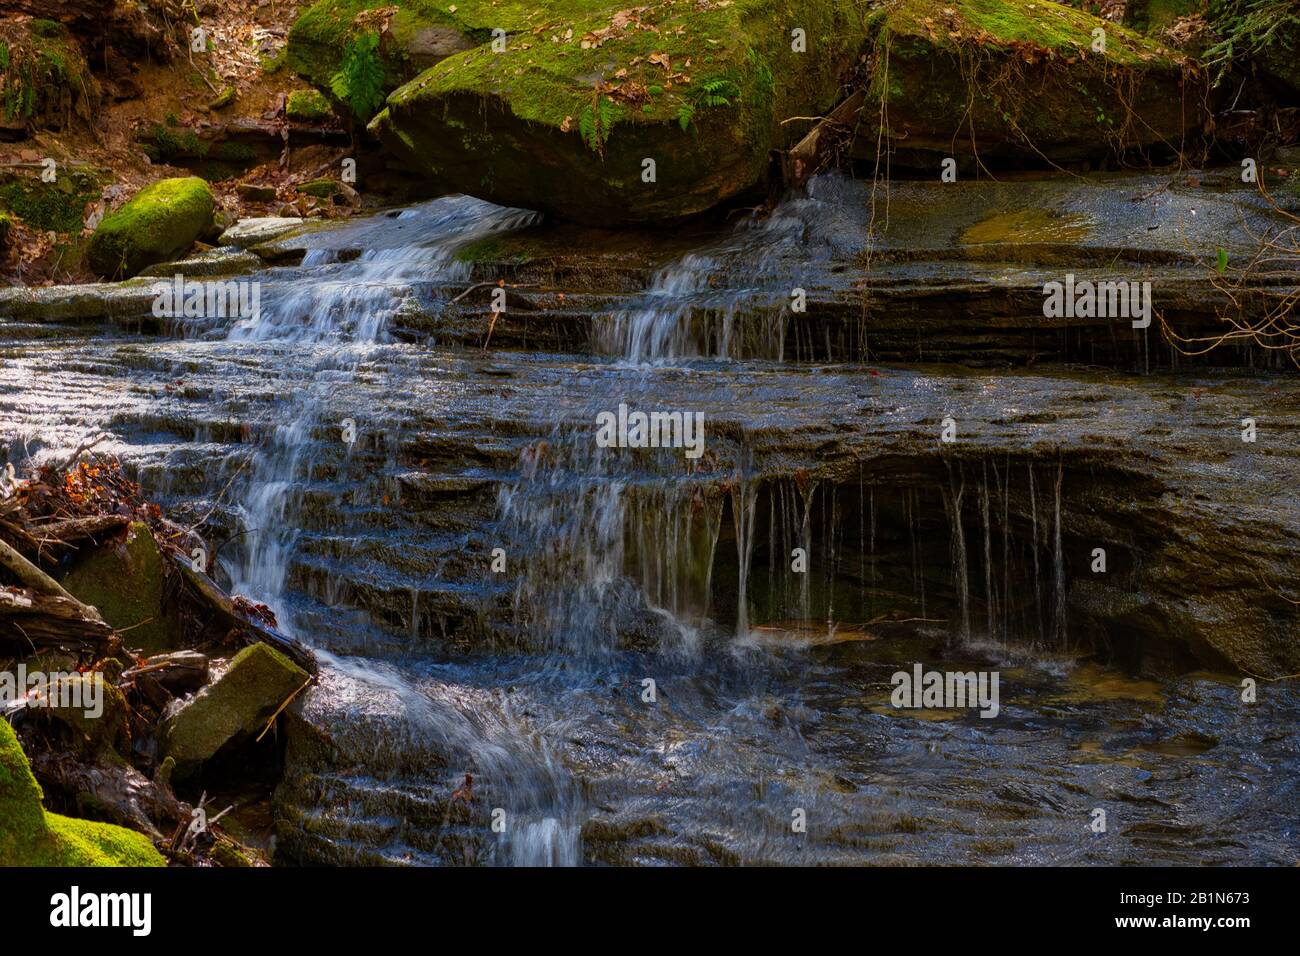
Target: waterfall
[328,324]
[732,299]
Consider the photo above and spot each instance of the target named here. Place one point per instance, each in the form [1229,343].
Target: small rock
[256,193]
[94,711]
[256,230]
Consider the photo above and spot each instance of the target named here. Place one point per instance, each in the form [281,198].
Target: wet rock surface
[1121,689]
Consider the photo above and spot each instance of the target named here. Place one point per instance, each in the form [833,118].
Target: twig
[279,710]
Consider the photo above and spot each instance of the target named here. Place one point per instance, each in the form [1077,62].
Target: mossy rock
[105,735]
[416,35]
[1152,16]
[308,106]
[225,98]
[157,223]
[55,207]
[1020,80]
[320,188]
[44,78]
[564,119]
[31,837]
[125,581]
[6,226]
[235,707]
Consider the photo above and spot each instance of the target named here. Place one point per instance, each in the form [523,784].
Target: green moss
[126,583]
[102,737]
[6,224]
[21,815]
[308,106]
[41,70]
[274,63]
[49,29]
[56,207]
[258,680]
[1020,78]
[158,222]
[224,99]
[31,837]
[164,145]
[1041,24]
[320,188]
[320,37]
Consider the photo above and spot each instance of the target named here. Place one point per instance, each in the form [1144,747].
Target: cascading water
[327,323]
[733,299]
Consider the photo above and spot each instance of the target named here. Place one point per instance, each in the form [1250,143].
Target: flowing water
[621,646]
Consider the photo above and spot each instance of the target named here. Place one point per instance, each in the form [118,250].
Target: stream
[640,675]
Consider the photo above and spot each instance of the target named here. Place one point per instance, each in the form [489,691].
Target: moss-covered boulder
[160,221]
[1020,80]
[618,115]
[125,581]
[308,106]
[236,706]
[31,837]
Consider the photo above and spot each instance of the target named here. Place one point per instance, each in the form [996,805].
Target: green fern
[712,91]
[360,79]
[595,123]
[717,91]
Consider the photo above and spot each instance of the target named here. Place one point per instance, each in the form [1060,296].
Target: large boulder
[160,221]
[1019,79]
[237,706]
[31,837]
[566,117]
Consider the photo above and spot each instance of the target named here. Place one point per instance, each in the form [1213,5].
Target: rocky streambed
[399,456]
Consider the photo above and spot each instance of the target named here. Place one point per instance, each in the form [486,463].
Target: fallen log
[50,620]
[816,151]
[179,671]
[37,580]
[65,535]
